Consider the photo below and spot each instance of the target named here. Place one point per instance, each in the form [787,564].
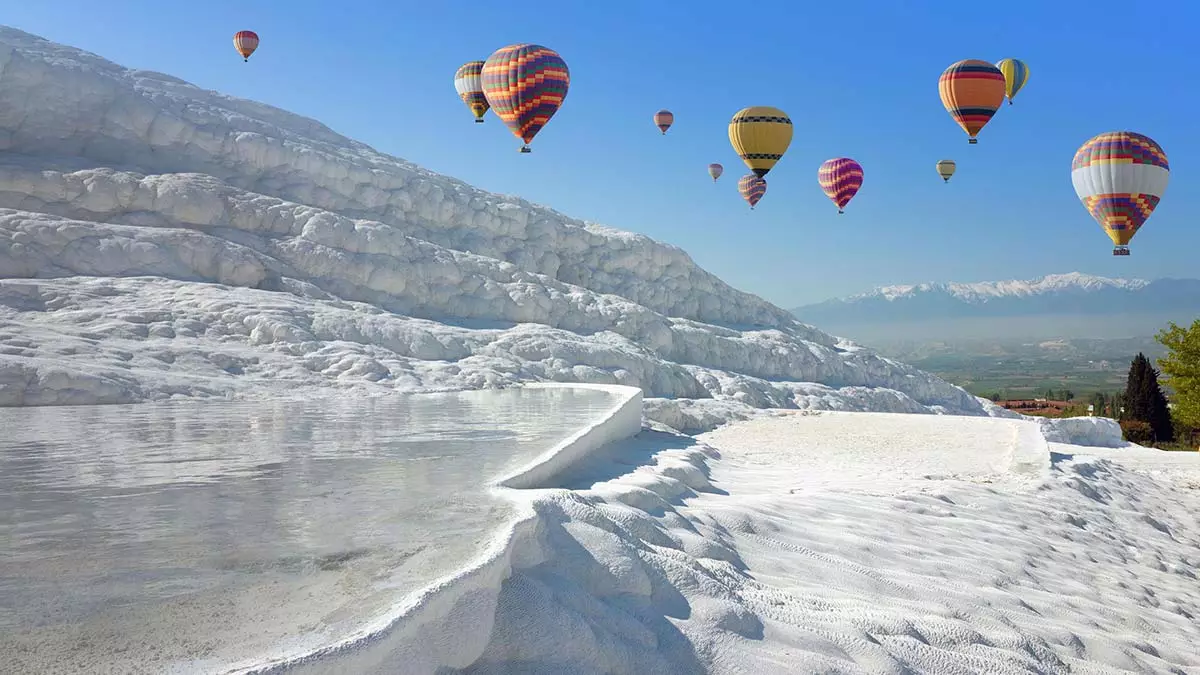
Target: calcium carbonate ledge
[447,624]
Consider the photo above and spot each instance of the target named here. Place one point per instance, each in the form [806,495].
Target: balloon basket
[524,150]
[1121,250]
[972,141]
[478,121]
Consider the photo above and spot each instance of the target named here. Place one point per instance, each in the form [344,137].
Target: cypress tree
[1137,405]
[1160,415]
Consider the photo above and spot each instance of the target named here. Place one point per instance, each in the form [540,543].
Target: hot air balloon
[1016,74]
[469,85]
[663,119]
[840,178]
[760,135]
[245,41]
[972,91]
[752,187]
[945,169]
[715,170]
[525,84]
[1120,176]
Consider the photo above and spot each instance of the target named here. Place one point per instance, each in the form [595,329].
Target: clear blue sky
[859,79]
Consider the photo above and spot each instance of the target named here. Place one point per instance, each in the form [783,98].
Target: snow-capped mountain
[1072,293]
[160,240]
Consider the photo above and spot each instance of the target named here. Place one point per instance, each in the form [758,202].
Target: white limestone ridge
[160,240]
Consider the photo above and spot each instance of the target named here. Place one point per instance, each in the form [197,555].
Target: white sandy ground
[861,543]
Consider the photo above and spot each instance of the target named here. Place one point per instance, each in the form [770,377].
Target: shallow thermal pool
[135,537]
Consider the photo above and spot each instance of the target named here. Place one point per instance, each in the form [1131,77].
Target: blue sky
[859,79]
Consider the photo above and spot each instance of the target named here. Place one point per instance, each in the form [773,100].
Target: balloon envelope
[752,187]
[840,178]
[1016,74]
[715,170]
[663,119]
[972,91]
[468,82]
[525,84]
[1120,176]
[245,42]
[946,168]
[760,135]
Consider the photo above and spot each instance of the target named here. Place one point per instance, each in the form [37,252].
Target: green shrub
[1136,431]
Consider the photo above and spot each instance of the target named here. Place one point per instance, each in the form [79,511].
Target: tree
[1181,365]
[1144,400]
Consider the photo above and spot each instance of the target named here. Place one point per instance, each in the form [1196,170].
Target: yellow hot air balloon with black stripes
[760,135]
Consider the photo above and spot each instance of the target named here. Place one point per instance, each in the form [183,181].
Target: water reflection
[214,530]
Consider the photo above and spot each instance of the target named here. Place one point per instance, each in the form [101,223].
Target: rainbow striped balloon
[840,178]
[753,187]
[1120,176]
[972,91]
[525,84]
[468,82]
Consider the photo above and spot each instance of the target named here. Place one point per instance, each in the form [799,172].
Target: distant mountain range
[1043,304]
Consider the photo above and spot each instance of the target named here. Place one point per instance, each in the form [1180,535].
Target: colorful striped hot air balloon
[760,135]
[525,84]
[840,178]
[245,42]
[1120,176]
[1016,74]
[469,85]
[972,91]
[663,119]
[715,170]
[945,169]
[753,187]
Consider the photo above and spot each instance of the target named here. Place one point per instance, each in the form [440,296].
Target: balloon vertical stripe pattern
[840,179]
[245,42]
[468,82]
[1016,74]
[525,84]
[752,187]
[972,91]
[1120,176]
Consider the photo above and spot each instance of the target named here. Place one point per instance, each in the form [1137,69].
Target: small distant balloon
[972,91]
[469,85]
[840,178]
[753,187]
[525,84]
[715,170]
[1016,74]
[245,41]
[663,119]
[945,169]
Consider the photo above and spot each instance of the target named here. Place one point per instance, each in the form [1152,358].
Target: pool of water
[136,537]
